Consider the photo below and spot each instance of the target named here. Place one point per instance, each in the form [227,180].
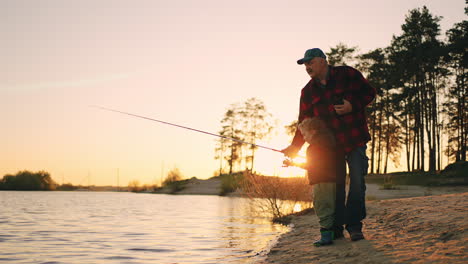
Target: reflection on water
[104,227]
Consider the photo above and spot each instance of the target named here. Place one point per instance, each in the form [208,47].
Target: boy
[321,172]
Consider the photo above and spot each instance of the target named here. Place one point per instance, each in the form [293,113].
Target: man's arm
[359,93]
[298,140]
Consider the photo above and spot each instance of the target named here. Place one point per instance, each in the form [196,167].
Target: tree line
[28,181]
[419,110]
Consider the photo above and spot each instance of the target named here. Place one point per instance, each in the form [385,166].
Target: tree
[417,57]
[231,128]
[28,181]
[291,128]
[247,122]
[456,104]
[341,55]
[384,124]
[257,124]
[374,65]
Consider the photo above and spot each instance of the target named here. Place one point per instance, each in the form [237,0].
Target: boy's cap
[310,54]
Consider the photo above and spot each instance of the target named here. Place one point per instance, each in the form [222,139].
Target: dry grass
[277,196]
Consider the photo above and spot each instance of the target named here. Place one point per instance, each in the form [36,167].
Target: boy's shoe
[356,235]
[326,238]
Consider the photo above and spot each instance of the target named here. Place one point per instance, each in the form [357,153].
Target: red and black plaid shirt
[343,82]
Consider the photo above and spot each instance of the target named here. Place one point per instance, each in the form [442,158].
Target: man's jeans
[355,209]
[358,163]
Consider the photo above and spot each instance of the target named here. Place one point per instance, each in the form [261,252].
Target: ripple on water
[152,249]
[134,234]
[105,228]
[9,259]
[118,257]
[206,249]
[6,237]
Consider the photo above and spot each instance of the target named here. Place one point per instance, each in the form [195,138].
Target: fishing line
[184,127]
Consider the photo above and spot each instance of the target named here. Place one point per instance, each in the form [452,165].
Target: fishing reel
[298,161]
[288,162]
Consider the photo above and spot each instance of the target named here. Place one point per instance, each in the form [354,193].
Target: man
[339,95]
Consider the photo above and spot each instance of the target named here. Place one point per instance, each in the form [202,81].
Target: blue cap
[310,54]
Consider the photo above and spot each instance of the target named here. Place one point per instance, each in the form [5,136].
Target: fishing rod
[184,127]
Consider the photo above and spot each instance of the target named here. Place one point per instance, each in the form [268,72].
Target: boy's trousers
[324,195]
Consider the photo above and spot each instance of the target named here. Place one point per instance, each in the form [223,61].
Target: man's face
[314,67]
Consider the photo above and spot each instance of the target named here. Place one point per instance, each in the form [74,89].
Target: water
[106,227]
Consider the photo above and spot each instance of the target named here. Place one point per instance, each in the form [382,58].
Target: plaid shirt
[343,82]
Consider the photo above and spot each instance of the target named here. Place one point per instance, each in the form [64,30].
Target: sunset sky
[180,61]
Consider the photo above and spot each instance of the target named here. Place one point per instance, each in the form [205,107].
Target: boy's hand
[345,108]
[287,163]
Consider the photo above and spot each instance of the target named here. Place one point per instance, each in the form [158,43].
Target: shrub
[458,169]
[67,187]
[174,181]
[388,183]
[230,182]
[134,186]
[277,196]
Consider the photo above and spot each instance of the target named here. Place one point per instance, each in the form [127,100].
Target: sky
[180,61]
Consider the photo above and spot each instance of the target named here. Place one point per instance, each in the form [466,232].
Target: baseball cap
[310,54]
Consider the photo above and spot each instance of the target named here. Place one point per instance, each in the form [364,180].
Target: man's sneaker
[356,235]
[337,233]
[326,238]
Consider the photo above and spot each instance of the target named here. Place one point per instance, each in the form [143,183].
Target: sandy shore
[212,186]
[429,229]
[413,224]
[196,186]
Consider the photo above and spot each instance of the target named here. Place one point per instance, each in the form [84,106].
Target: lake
[112,227]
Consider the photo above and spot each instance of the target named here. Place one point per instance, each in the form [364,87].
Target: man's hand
[345,108]
[290,151]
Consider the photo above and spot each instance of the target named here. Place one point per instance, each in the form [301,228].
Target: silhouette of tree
[291,128]
[231,128]
[341,55]
[28,181]
[247,122]
[417,56]
[257,124]
[456,104]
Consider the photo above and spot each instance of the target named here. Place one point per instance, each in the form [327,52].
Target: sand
[196,186]
[207,187]
[428,229]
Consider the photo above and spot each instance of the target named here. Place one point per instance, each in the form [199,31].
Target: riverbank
[428,229]
[374,191]
[196,186]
